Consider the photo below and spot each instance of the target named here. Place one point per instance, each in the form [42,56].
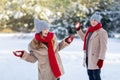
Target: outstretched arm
[26,56]
[30,57]
[65,42]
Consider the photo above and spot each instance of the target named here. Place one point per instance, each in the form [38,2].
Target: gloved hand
[100,63]
[78,26]
[69,39]
[18,53]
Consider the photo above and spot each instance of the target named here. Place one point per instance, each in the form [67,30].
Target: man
[95,45]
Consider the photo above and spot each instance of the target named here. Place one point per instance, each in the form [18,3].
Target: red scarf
[91,29]
[51,54]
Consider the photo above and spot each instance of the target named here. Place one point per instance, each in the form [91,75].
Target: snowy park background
[13,68]
[17,27]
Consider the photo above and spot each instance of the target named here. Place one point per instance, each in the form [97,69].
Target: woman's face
[45,32]
[93,23]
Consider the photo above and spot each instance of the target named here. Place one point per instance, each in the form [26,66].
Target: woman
[44,49]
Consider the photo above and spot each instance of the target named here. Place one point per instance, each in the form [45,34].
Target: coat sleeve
[103,44]
[30,57]
[81,34]
[60,45]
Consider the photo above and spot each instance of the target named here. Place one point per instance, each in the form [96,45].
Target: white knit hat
[96,16]
[40,25]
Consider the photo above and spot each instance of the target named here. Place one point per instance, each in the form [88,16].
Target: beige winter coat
[96,48]
[40,54]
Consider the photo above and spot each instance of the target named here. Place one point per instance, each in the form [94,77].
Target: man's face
[45,32]
[93,23]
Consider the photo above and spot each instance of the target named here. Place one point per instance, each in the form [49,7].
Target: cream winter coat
[96,48]
[41,55]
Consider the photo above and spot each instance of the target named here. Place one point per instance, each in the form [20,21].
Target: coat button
[92,54]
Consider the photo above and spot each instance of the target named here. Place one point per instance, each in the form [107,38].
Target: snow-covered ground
[13,68]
